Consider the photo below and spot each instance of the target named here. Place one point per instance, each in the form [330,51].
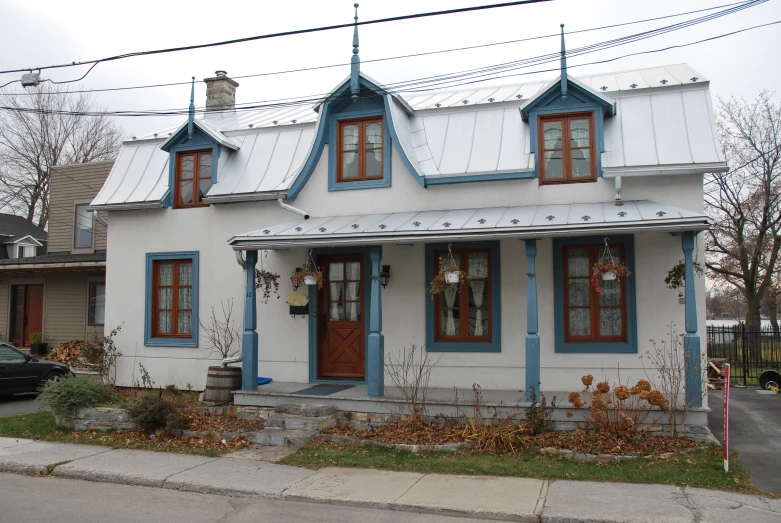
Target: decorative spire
[191,113]
[563,67]
[355,62]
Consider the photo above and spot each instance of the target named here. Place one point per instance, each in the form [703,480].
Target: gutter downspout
[241,260]
[617,181]
[98,219]
[292,209]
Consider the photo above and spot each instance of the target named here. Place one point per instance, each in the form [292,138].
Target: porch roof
[488,223]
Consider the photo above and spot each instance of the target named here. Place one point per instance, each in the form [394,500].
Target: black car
[22,373]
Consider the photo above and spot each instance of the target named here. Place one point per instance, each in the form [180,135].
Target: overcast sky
[44,32]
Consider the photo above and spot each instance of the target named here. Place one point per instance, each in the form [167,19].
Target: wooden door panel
[33,311]
[341,332]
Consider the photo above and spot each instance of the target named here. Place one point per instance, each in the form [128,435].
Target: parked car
[20,372]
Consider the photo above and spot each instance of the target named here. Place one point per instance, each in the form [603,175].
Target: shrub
[539,414]
[65,395]
[152,413]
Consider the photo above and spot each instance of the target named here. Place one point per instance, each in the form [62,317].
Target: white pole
[726,417]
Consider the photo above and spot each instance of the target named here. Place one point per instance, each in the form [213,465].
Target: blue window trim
[201,141]
[333,153]
[313,314]
[149,341]
[495,345]
[630,346]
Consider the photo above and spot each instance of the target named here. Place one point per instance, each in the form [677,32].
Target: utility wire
[414,55]
[283,33]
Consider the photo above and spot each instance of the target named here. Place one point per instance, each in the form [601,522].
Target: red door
[33,311]
[341,351]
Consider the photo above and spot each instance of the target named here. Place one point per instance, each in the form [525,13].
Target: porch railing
[749,352]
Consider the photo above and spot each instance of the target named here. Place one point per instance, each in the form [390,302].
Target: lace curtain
[449,327]
[185,318]
[353,307]
[165,296]
[478,269]
[336,279]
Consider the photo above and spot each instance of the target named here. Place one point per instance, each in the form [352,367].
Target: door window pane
[580,322]
[185,322]
[164,322]
[610,293]
[580,292]
[478,322]
[450,323]
[610,322]
[578,263]
[166,273]
[353,271]
[83,228]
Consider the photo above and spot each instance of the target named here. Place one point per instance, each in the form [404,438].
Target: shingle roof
[11,225]
[56,258]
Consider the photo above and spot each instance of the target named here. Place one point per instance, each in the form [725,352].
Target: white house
[523,185]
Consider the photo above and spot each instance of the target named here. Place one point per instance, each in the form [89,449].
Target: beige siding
[5,306]
[65,306]
[73,184]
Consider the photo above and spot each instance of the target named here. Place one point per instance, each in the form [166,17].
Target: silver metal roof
[663,125]
[528,221]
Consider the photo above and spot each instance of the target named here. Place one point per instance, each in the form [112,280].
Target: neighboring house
[523,183]
[60,292]
[21,238]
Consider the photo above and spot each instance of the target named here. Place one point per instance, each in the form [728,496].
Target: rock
[605,458]
[211,436]
[200,397]
[697,429]
[668,455]
[549,450]
[318,411]
[288,408]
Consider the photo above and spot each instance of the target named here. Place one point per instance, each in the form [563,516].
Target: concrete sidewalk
[503,498]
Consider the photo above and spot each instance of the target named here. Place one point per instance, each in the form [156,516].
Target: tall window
[97,304]
[172,298]
[193,178]
[567,150]
[360,150]
[82,233]
[463,312]
[590,315]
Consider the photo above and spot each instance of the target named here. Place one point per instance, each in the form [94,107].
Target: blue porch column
[375,352]
[249,339]
[532,339]
[691,341]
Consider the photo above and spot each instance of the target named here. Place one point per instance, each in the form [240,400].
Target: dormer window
[567,149]
[193,178]
[360,150]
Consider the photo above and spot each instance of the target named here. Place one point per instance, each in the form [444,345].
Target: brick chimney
[220,94]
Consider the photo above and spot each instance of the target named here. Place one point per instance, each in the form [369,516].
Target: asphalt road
[76,501]
[18,404]
[754,432]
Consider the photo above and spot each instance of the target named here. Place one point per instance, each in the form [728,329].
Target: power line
[280,34]
[414,55]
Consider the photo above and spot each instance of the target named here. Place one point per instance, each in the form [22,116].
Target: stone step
[279,437]
[295,422]
[307,411]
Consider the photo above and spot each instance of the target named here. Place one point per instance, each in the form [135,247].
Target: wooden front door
[26,313]
[341,322]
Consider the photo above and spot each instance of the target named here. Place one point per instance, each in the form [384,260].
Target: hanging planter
[266,280]
[607,269]
[308,274]
[676,276]
[448,275]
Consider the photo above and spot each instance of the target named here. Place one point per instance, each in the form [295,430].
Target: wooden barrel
[220,384]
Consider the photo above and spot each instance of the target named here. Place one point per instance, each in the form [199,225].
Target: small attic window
[567,151]
[360,150]
[193,178]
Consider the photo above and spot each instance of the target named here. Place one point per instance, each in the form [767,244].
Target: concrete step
[279,437]
[307,411]
[295,422]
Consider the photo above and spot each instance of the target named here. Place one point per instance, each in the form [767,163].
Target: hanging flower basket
[308,275]
[267,281]
[677,275]
[607,270]
[448,275]
[609,276]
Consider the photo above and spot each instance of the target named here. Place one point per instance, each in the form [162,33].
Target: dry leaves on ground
[202,421]
[411,431]
[137,438]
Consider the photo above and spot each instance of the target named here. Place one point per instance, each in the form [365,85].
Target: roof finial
[355,61]
[191,113]
[563,67]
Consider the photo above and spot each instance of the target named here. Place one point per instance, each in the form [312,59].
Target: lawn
[41,426]
[701,468]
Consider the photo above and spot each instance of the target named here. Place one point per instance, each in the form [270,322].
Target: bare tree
[745,202]
[41,128]
[221,333]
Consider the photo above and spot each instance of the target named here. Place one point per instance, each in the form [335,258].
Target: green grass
[41,426]
[702,468]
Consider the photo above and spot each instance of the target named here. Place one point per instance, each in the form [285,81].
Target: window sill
[454,346]
[597,347]
[360,184]
[171,342]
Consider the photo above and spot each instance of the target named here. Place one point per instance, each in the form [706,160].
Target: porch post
[691,341]
[249,339]
[532,339]
[375,352]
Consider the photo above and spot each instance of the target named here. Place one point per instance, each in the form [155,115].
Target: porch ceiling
[530,221]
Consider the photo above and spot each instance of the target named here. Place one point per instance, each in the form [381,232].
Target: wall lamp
[385,276]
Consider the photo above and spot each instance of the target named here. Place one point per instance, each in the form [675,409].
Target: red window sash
[361,151]
[463,300]
[566,148]
[175,286]
[196,180]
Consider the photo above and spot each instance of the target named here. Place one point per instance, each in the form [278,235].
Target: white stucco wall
[283,342]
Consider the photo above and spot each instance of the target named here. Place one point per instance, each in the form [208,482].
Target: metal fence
[749,352]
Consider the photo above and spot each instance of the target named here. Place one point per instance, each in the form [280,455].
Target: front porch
[522,356]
